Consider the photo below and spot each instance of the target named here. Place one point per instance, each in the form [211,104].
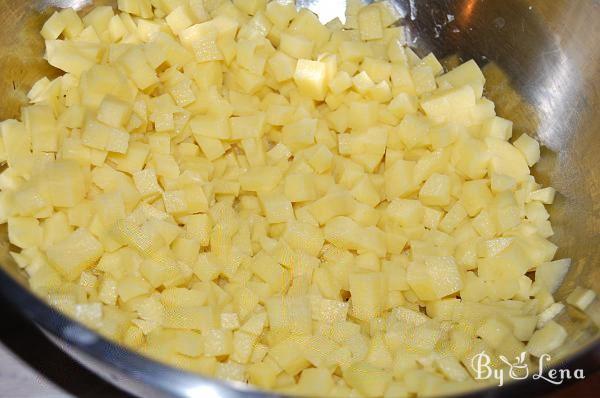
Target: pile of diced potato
[238,190]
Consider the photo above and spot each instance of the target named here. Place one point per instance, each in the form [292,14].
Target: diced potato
[114,112]
[366,291]
[544,195]
[311,78]
[288,355]
[547,339]
[370,24]
[315,381]
[450,105]
[493,332]
[194,318]
[507,160]
[40,122]
[300,187]
[296,46]
[529,147]
[146,182]
[436,278]
[64,182]
[399,179]
[74,254]
[25,232]
[467,73]
[551,274]
[240,191]
[277,207]
[475,196]
[581,298]
[367,379]
[218,342]
[497,127]
[436,190]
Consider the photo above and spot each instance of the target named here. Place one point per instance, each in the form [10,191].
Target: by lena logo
[518,369]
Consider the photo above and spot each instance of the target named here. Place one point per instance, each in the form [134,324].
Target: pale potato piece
[240,191]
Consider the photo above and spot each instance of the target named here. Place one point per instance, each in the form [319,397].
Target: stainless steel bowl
[542,62]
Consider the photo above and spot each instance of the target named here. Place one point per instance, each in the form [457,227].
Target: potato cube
[296,46]
[263,374]
[424,79]
[300,134]
[551,275]
[212,148]
[210,126]
[529,147]
[405,212]
[74,254]
[230,321]
[340,82]
[497,127]
[467,73]
[300,187]
[472,158]
[53,27]
[493,332]
[581,298]
[547,339]
[315,381]
[288,355]
[367,293]
[218,342]
[194,318]
[247,126]
[303,236]
[311,78]
[40,122]
[260,179]
[453,218]
[277,207]
[334,203]
[362,83]
[282,66]
[436,190]
[63,181]
[136,66]
[399,179]
[17,144]
[135,158]
[365,192]
[544,195]
[510,263]
[369,380]
[146,183]
[25,232]
[114,112]
[363,115]
[179,19]
[131,287]
[450,105]
[201,39]
[369,23]
[403,104]
[507,160]
[475,196]
[345,233]
[242,345]
[65,55]
[437,277]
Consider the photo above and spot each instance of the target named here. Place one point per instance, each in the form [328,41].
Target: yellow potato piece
[238,190]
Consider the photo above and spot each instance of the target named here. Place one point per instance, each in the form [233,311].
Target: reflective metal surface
[542,61]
